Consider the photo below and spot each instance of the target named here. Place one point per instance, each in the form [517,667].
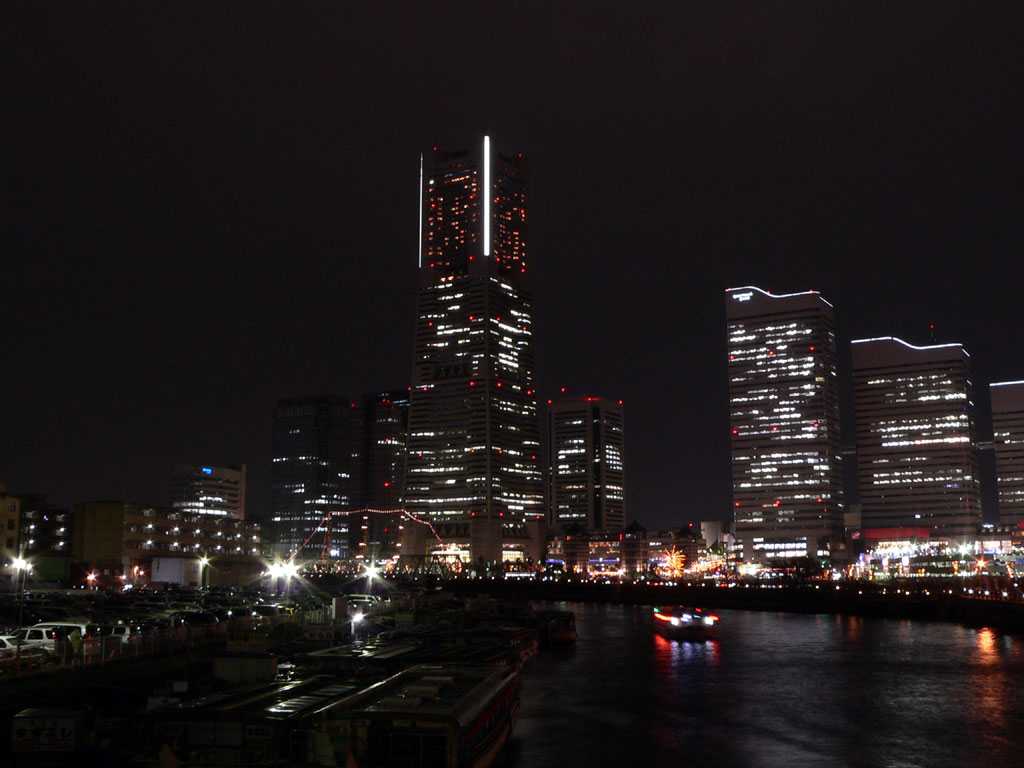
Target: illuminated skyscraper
[309,476]
[473,461]
[587,478]
[917,454]
[1008,439]
[378,474]
[209,490]
[784,413]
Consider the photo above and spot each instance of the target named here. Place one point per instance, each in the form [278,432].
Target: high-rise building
[473,458]
[784,414]
[917,453]
[201,489]
[587,477]
[1008,439]
[378,474]
[309,476]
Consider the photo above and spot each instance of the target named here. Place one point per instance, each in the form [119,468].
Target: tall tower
[784,412]
[473,447]
[587,476]
[1008,438]
[309,476]
[917,453]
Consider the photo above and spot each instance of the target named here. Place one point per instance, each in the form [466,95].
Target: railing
[90,651]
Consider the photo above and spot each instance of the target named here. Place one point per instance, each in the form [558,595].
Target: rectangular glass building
[917,452]
[1008,440]
[587,476]
[784,416]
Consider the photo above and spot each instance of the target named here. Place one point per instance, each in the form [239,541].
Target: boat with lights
[684,623]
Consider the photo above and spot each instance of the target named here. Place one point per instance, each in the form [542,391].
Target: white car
[48,635]
[28,654]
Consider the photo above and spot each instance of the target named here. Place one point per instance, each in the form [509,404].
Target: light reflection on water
[772,690]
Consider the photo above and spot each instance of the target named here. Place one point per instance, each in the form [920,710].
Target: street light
[204,561]
[286,570]
[91,578]
[21,567]
[290,570]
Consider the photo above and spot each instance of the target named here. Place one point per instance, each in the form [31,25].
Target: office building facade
[586,480]
[917,452]
[784,416]
[378,475]
[473,458]
[1008,441]
[309,476]
[203,489]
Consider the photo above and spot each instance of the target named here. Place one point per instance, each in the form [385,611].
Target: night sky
[213,206]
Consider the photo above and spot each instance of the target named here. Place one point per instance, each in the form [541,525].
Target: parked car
[44,636]
[28,654]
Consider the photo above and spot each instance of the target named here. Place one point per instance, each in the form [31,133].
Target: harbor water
[772,689]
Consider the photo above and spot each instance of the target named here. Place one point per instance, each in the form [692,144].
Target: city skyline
[187,250]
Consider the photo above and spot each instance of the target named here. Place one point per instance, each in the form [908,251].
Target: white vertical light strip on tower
[421,212]
[487,195]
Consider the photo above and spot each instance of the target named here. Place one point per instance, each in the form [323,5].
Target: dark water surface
[773,689]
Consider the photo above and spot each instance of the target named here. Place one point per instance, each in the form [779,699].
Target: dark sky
[212,206]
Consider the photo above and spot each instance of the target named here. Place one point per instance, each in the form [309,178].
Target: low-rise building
[118,540]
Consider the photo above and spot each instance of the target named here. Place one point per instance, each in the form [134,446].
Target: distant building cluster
[917,450]
[451,468]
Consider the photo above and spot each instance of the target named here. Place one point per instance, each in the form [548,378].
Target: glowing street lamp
[204,561]
[287,570]
[21,567]
[91,578]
